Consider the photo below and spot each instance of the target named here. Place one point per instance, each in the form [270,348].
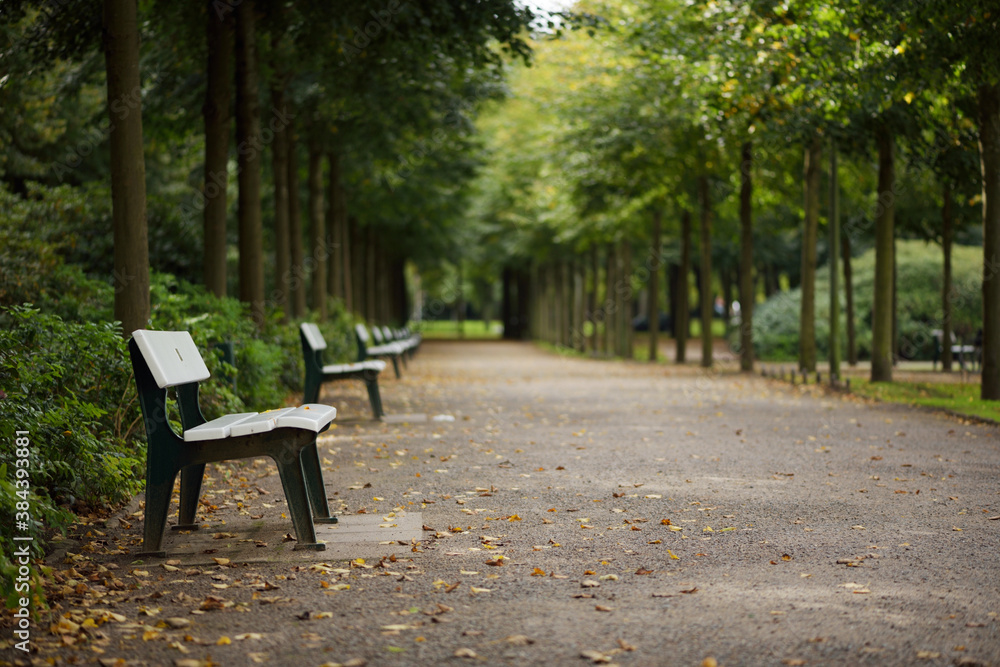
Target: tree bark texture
[884,242]
[282,251]
[297,279]
[655,253]
[834,245]
[705,293]
[852,339]
[218,94]
[946,240]
[128,166]
[251,242]
[989,156]
[317,228]
[810,233]
[746,259]
[683,290]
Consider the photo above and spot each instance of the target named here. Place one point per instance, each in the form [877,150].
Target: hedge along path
[577,510]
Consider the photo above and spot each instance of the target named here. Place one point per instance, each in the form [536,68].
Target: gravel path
[582,512]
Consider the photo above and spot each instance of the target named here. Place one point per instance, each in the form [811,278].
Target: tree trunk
[346,261]
[834,244]
[218,93]
[895,304]
[370,295]
[297,281]
[683,289]
[627,300]
[357,243]
[673,271]
[579,301]
[566,304]
[460,301]
[989,156]
[946,234]
[128,166]
[852,339]
[610,302]
[655,253]
[810,231]
[317,227]
[705,293]
[595,269]
[282,252]
[334,267]
[884,235]
[746,259]
[523,303]
[251,243]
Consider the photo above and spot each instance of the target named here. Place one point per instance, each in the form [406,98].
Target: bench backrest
[362,333]
[313,336]
[172,357]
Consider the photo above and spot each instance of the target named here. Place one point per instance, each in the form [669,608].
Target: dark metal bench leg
[374,397]
[314,485]
[191,478]
[294,483]
[158,492]
[311,393]
[395,366]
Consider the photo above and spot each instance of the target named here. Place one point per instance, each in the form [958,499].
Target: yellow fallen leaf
[538,572]
[224,641]
[475,590]
[672,555]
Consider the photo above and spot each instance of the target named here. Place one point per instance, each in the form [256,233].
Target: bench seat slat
[261,423]
[312,416]
[386,348]
[376,365]
[217,428]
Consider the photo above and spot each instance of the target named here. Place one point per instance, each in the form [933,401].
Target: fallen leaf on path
[595,657]
[519,640]
[465,653]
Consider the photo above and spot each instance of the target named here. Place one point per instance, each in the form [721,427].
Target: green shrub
[919,277]
[73,222]
[68,384]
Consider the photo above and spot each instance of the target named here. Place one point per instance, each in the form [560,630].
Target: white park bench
[317,372]
[164,359]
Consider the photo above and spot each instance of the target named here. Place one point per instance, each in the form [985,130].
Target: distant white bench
[409,342]
[164,359]
[317,372]
[960,351]
[367,350]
